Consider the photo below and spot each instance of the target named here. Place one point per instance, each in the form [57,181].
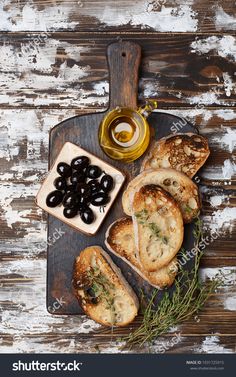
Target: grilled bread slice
[120,241]
[101,289]
[182,152]
[158,227]
[177,184]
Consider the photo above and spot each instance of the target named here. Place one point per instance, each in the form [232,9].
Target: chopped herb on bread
[158,227]
[120,241]
[177,184]
[101,289]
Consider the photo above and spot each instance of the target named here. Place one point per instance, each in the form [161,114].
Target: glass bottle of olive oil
[124,133]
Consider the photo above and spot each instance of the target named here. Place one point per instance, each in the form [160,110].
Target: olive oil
[124,133]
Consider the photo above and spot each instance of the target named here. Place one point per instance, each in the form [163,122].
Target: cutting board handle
[123,60]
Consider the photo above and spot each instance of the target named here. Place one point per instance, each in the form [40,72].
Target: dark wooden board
[124,59]
[62,254]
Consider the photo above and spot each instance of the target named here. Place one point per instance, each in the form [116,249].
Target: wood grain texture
[52,67]
[123,61]
[124,15]
[70,70]
[24,164]
[78,130]
[23,243]
[23,313]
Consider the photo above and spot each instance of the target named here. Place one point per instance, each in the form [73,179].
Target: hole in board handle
[123,54]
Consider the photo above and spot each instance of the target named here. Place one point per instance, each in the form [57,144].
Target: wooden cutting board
[65,243]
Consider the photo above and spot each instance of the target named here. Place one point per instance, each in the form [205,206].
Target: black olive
[70,188]
[100,199]
[87,216]
[90,292]
[85,285]
[77,177]
[83,189]
[79,163]
[93,171]
[71,200]
[54,198]
[83,201]
[64,170]
[106,183]
[94,185]
[99,191]
[82,207]
[69,213]
[60,183]
[94,300]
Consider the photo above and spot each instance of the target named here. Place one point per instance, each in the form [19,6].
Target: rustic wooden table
[53,66]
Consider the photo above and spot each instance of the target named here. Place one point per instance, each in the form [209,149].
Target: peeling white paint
[227,140]
[37,344]
[9,192]
[87,326]
[229,169]
[206,115]
[226,114]
[208,98]
[45,82]
[34,67]
[227,288]
[37,64]
[217,200]
[29,17]
[200,111]
[101,88]
[228,84]
[31,298]
[224,172]
[227,275]
[223,20]
[211,344]
[27,129]
[149,88]
[223,220]
[230,303]
[224,46]
[144,14]
[27,314]
[178,18]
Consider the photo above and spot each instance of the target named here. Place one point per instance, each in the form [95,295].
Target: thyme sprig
[142,218]
[188,298]
[102,287]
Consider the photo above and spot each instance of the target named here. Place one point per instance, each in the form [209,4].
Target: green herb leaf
[188,209]
[188,298]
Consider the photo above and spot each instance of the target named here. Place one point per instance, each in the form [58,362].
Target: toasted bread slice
[182,152]
[181,187]
[101,289]
[120,241]
[158,227]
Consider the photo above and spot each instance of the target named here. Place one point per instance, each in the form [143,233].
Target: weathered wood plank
[75,343]
[60,77]
[107,15]
[70,70]
[27,327]
[23,162]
